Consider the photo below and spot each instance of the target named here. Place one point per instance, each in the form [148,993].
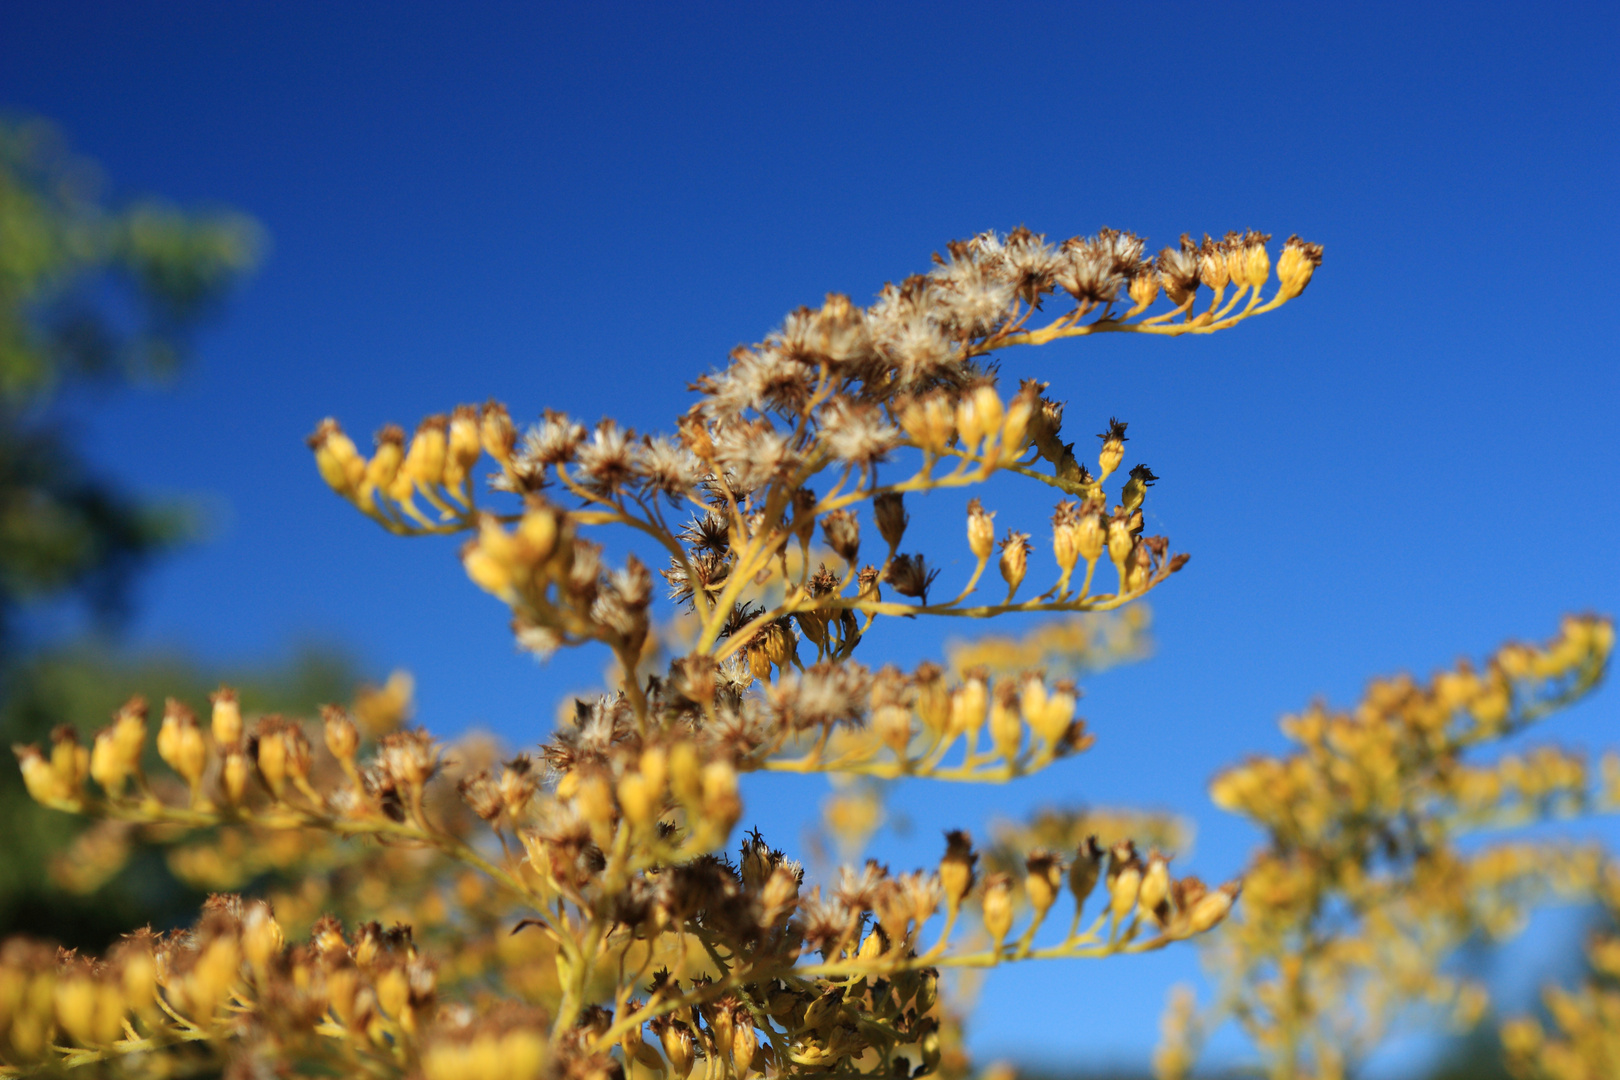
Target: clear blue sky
[582,206]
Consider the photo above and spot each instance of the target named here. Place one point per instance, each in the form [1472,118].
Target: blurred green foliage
[89,294]
[95,294]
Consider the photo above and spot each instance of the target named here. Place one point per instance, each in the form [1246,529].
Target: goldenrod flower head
[1179,270]
[998,910]
[1136,487]
[226,722]
[1006,722]
[1155,894]
[1296,265]
[968,703]
[1022,412]
[1014,562]
[1043,879]
[956,868]
[1144,288]
[981,530]
[340,464]
[1113,449]
[341,736]
[180,742]
[496,433]
[425,458]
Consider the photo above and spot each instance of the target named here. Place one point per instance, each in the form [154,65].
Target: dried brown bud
[892,519]
[910,576]
[1084,871]
[842,531]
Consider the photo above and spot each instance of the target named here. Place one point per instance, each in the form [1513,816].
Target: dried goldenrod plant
[1384,853]
[387,905]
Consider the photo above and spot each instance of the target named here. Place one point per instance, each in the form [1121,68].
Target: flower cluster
[583,909]
[1375,869]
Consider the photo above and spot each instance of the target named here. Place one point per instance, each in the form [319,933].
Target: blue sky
[581,207]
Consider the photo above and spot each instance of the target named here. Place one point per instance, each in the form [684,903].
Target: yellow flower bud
[636,799]
[496,432]
[721,804]
[270,754]
[998,910]
[1056,712]
[425,458]
[382,473]
[1066,536]
[340,464]
[1123,890]
[1006,723]
[1043,878]
[981,530]
[744,1044]
[139,979]
[261,935]
[1113,449]
[892,724]
[393,991]
[685,773]
[341,736]
[463,445]
[594,801]
[129,731]
[677,1042]
[933,700]
[988,409]
[956,868]
[1016,428]
[968,703]
[233,775]
[1014,560]
[1295,266]
[76,1007]
[1144,289]
[1136,487]
[1212,908]
[929,421]
[1155,894]
[1120,542]
[226,722]
[107,765]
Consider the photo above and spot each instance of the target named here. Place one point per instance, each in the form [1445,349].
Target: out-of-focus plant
[575,913]
[88,293]
[92,294]
[1380,864]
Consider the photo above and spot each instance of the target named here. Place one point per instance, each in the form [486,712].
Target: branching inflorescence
[605,930]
